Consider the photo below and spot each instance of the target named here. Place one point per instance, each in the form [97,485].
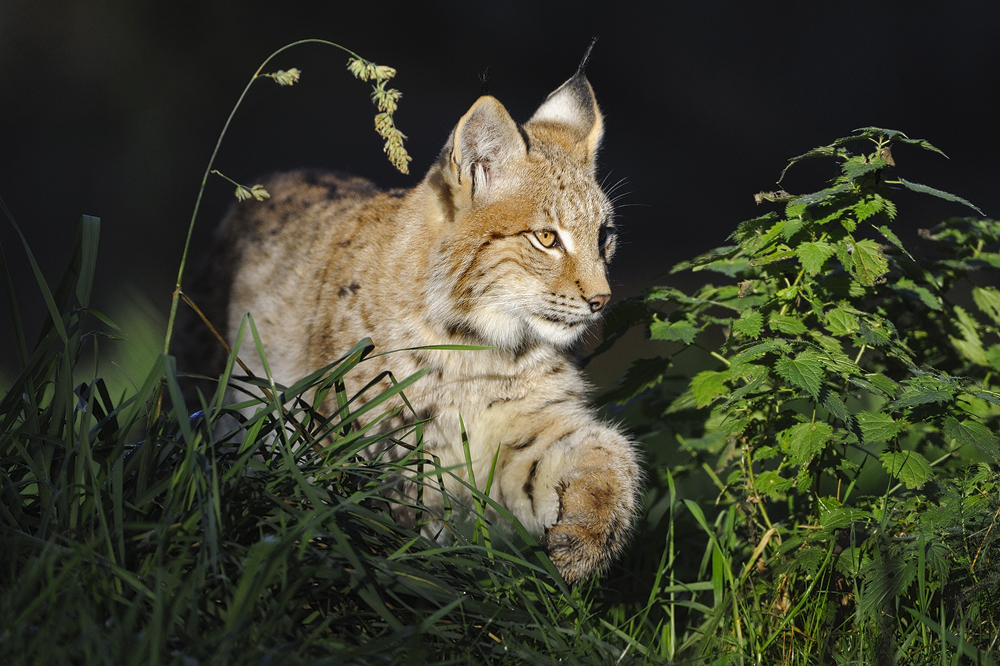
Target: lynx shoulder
[505,243]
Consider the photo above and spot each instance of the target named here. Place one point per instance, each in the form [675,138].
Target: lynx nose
[599,301]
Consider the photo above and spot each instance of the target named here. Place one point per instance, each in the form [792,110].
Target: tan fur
[460,259]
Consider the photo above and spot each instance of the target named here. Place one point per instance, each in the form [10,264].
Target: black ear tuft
[484,79]
[586,56]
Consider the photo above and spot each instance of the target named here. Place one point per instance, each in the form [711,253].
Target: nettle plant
[850,422]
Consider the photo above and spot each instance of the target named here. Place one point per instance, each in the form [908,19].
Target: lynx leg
[582,494]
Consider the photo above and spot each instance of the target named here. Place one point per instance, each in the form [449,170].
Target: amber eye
[547,238]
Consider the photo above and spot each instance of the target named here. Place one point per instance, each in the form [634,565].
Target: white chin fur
[507,330]
[556,334]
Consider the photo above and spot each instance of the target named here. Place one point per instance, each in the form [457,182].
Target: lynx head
[525,232]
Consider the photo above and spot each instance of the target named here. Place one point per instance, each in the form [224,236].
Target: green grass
[125,541]
[136,528]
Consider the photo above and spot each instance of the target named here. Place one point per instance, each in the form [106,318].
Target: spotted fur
[505,243]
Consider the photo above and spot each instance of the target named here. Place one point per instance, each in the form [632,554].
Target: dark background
[112,108]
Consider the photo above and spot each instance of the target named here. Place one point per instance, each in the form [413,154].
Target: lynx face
[505,243]
[534,269]
[535,231]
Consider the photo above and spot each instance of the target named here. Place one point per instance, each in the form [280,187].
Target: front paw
[596,509]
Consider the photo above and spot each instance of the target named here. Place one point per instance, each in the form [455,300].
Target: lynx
[505,243]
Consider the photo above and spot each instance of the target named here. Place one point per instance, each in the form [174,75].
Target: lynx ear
[485,146]
[572,109]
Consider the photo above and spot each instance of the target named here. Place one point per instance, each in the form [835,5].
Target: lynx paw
[596,509]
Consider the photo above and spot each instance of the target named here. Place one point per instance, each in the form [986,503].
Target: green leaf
[858,166]
[970,346]
[923,189]
[883,384]
[892,238]
[911,288]
[803,441]
[869,262]
[988,300]
[708,385]
[834,516]
[877,427]
[974,434]
[908,466]
[922,390]
[872,205]
[804,371]
[792,226]
[750,324]
[750,234]
[840,321]
[673,331]
[875,332]
[835,360]
[772,484]
[812,255]
[838,408]
[780,253]
[755,351]
[753,375]
[993,357]
[786,324]
[821,196]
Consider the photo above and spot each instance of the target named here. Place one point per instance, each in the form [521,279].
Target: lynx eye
[547,238]
[605,241]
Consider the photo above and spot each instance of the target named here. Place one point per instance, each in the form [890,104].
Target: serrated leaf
[858,166]
[753,375]
[780,253]
[754,351]
[804,371]
[822,151]
[841,322]
[872,132]
[970,345]
[869,262]
[888,234]
[750,230]
[908,286]
[772,484]
[673,331]
[708,385]
[993,357]
[877,427]
[821,196]
[812,255]
[911,468]
[877,384]
[974,434]
[804,440]
[872,205]
[750,324]
[988,301]
[883,383]
[874,332]
[786,324]
[725,252]
[666,294]
[836,517]
[792,227]
[922,390]
[923,189]
[838,409]
[835,360]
